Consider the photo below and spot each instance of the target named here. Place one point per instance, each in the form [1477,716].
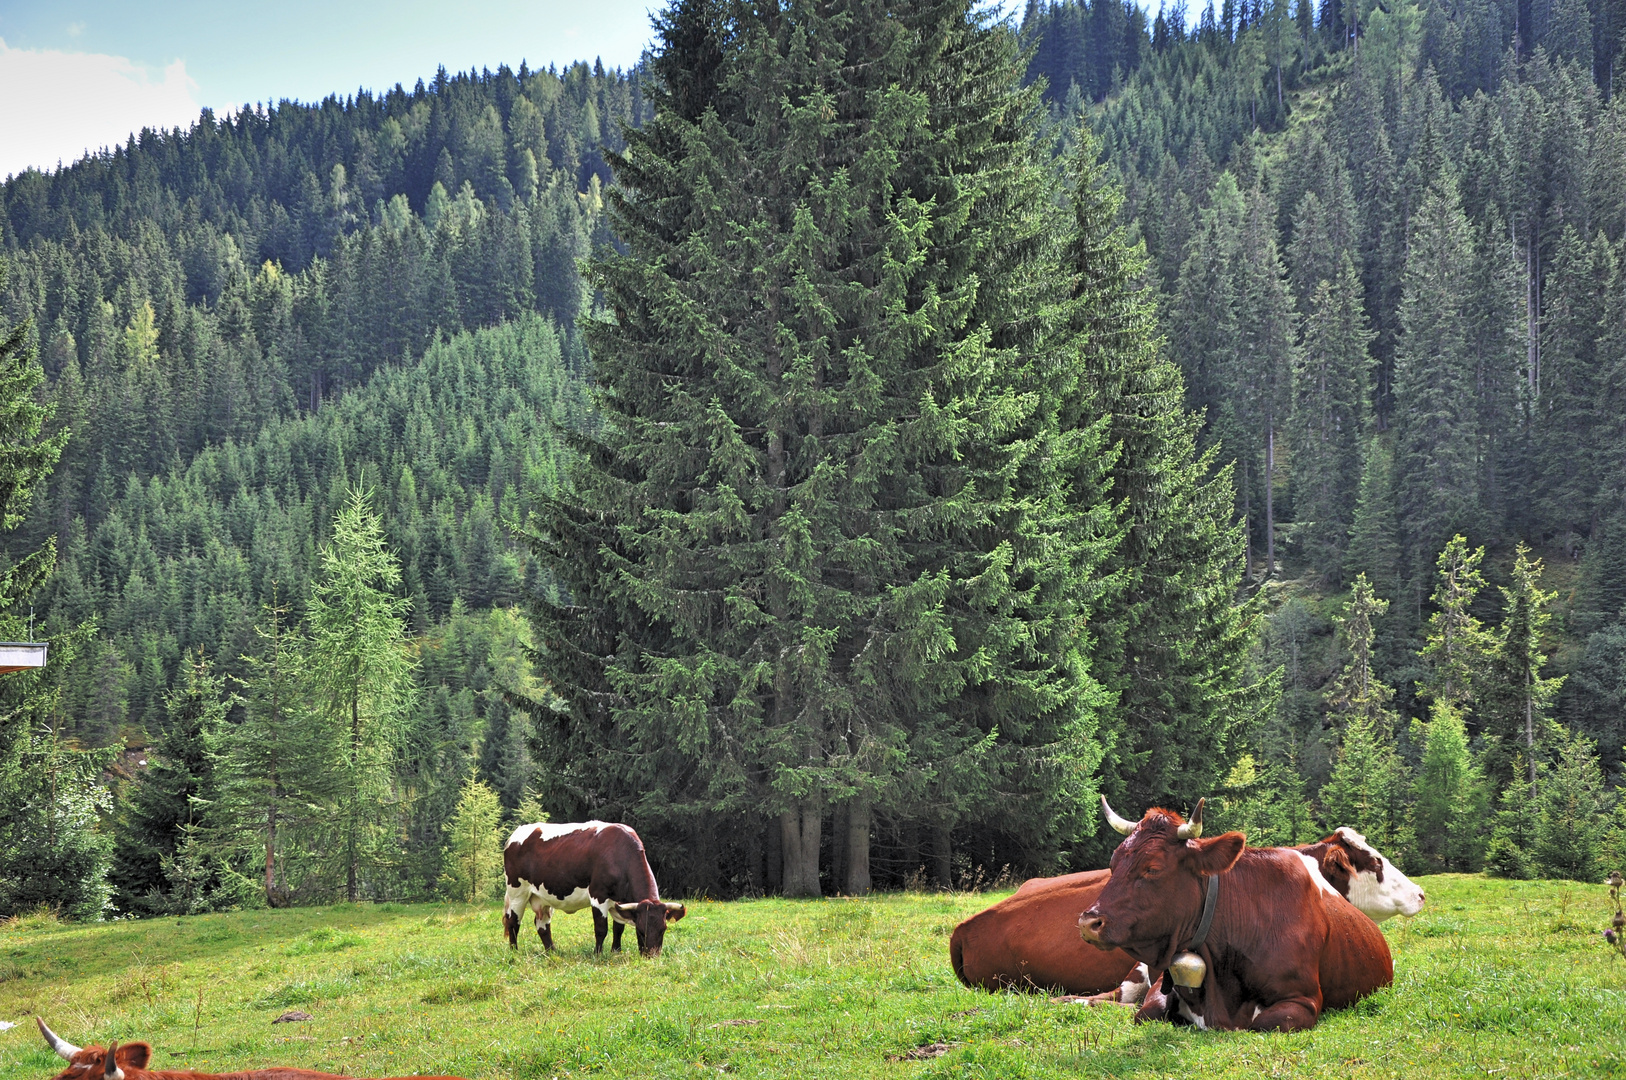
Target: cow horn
[1123,825]
[110,1067]
[64,1049]
[1192,829]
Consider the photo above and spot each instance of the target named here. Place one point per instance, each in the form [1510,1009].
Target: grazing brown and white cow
[1027,940]
[1265,924]
[129,1062]
[595,864]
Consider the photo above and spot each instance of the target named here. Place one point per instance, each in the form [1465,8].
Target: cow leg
[1156,1005]
[1293,1014]
[510,925]
[544,927]
[1129,992]
[615,942]
[601,926]
[514,903]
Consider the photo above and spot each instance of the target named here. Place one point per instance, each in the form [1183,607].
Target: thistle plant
[1616,934]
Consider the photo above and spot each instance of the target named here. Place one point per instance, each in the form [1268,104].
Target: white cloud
[54,106]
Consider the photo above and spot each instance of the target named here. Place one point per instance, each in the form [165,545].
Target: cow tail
[957,960]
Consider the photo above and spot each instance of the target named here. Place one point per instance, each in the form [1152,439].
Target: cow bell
[1188,970]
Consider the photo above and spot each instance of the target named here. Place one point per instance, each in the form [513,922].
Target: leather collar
[1210,901]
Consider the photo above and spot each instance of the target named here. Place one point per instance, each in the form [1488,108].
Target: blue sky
[82,74]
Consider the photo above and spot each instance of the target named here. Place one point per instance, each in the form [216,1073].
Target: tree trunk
[800,827]
[858,824]
[909,841]
[942,857]
[1270,496]
[1530,725]
[271,852]
[1532,316]
[773,862]
[355,803]
[838,848]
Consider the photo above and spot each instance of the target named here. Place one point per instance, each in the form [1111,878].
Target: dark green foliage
[1369,784]
[161,807]
[1437,493]
[1594,694]
[52,853]
[891,520]
[1569,811]
[833,547]
[1170,637]
[1449,804]
[1514,699]
[1508,853]
[1329,390]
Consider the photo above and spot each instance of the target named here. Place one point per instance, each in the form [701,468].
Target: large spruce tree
[1437,470]
[1170,636]
[830,546]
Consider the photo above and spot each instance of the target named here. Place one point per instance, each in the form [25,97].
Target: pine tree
[1570,811]
[1265,356]
[1374,533]
[26,460]
[1171,640]
[53,852]
[1508,853]
[160,809]
[816,555]
[473,859]
[1516,698]
[1436,466]
[1457,649]
[275,768]
[1368,786]
[360,676]
[1328,415]
[1568,443]
[1449,797]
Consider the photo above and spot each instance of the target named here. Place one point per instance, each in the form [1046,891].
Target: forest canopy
[1212,404]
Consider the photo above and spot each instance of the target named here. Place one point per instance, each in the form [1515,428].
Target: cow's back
[1356,960]
[604,858]
[1030,939]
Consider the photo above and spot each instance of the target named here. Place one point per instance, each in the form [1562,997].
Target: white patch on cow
[1395,895]
[1256,1011]
[541,902]
[551,830]
[1185,1011]
[1135,985]
[1315,875]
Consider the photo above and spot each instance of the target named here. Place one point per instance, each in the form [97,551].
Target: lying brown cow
[129,1062]
[1257,929]
[1028,940]
[596,864]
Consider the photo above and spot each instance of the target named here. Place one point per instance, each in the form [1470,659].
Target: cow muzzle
[1090,926]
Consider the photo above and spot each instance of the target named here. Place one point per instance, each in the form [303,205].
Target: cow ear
[134,1055]
[675,911]
[1217,854]
[1337,869]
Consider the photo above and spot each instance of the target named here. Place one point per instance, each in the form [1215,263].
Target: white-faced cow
[1275,942]
[1027,941]
[129,1062]
[595,864]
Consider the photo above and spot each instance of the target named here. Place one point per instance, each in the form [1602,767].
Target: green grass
[1506,979]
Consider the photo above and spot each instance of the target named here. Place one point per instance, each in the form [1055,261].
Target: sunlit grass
[1495,978]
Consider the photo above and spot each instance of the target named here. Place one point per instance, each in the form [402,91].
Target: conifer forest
[841,447]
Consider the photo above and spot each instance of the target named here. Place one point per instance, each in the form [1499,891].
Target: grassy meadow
[1493,979]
